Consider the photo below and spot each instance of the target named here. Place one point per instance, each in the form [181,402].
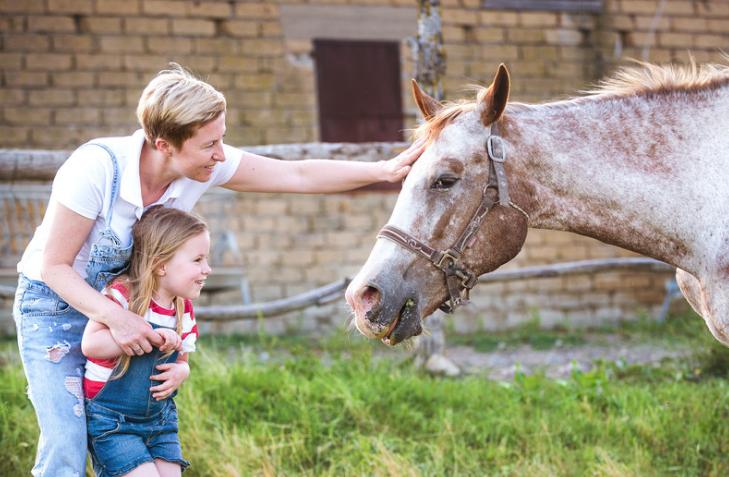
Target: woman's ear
[161,271]
[163,146]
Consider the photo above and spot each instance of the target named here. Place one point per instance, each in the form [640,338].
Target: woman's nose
[218,153]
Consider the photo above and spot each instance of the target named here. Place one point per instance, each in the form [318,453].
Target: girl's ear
[161,271]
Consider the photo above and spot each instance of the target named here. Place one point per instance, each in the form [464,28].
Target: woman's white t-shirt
[83,185]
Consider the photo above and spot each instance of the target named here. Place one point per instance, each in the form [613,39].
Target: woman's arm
[262,174]
[67,234]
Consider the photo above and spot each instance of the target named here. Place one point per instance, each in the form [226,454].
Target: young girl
[131,417]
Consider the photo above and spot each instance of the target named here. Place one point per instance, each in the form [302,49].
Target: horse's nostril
[370,298]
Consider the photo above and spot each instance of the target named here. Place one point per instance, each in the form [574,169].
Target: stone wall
[74,69]
[287,244]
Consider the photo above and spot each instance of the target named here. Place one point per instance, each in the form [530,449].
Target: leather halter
[459,279]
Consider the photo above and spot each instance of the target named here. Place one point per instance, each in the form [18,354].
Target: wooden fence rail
[333,291]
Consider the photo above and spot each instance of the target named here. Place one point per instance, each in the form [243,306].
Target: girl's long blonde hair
[157,236]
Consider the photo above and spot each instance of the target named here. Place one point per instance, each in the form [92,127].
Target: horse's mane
[645,78]
[650,78]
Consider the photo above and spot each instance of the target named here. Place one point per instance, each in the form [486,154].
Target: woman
[85,240]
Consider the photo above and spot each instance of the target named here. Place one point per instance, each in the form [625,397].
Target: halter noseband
[459,279]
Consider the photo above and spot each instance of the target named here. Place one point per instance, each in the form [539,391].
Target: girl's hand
[172,341]
[398,167]
[172,377]
[131,332]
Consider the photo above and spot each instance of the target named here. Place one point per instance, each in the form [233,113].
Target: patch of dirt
[557,362]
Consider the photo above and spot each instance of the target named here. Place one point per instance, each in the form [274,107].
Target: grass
[273,406]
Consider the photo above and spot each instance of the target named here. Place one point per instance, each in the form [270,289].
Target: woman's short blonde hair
[175,104]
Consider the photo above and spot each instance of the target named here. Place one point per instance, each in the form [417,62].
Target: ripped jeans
[49,339]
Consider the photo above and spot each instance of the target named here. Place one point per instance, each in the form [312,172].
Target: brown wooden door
[359,93]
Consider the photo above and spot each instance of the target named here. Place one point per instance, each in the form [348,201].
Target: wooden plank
[353,22]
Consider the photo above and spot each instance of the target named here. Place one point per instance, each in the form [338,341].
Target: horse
[640,162]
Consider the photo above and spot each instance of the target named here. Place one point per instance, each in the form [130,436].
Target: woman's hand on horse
[398,167]
[134,335]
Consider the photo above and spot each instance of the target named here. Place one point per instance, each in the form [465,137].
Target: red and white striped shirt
[98,371]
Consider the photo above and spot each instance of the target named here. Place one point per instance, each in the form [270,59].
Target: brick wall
[74,69]
[288,244]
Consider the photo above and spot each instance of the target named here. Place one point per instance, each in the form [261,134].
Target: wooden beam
[333,291]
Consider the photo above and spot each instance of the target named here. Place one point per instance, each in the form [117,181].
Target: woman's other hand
[131,332]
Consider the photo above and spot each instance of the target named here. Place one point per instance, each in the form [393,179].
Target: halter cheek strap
[459,279]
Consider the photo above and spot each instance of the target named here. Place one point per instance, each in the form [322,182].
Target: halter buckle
[468,279]
[447,255]
[501,148]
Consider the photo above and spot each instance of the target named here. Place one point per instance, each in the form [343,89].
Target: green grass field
[337,407]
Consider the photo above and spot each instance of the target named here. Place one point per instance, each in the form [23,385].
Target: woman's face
[198,155]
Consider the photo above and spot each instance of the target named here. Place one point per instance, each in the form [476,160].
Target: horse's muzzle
[388,317]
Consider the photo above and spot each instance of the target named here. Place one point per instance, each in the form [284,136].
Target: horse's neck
[643,173]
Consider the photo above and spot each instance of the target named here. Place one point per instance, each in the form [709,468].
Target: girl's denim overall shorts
[127,426]
[49,340]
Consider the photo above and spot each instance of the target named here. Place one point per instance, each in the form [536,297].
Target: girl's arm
[67,234]
[98,343]
[262,174]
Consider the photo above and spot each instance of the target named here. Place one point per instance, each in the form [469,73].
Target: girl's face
[198,155]
[185,273]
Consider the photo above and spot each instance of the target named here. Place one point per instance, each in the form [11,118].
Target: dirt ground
[559,361]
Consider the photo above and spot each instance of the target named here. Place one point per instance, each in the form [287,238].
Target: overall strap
[114,184]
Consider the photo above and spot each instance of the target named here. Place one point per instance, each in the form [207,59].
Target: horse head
[453,220]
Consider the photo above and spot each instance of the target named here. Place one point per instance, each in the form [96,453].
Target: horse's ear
[493,102]
[428,105]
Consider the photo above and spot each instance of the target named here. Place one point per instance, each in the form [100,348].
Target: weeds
[272,406]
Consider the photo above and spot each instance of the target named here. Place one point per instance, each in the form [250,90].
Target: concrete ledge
[41,165]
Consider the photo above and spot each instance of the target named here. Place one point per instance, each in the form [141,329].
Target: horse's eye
[444,182]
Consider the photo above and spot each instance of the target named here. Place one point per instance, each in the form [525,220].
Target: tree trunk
[429,73]
[428,49]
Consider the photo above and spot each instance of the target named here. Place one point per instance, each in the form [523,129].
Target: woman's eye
[444,182]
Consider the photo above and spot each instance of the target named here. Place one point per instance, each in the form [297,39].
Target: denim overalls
[49,340]
[127,426]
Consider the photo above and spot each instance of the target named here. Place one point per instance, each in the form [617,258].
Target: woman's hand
[398,167]
[131,332]
[172,341]
[172,377]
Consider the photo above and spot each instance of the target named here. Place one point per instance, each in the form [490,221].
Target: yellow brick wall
[74,69]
